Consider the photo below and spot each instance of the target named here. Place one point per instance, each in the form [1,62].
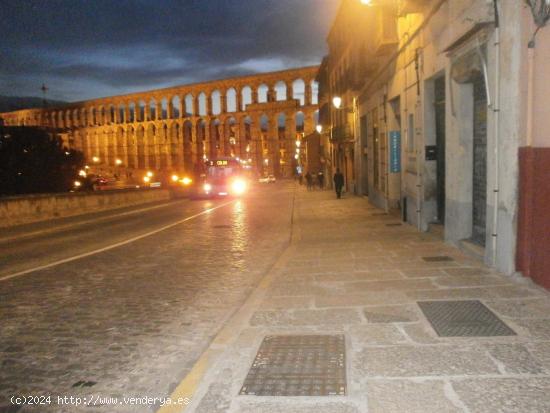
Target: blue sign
[395,151]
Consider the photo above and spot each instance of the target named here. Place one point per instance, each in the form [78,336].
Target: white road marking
[85,222]
[110,247]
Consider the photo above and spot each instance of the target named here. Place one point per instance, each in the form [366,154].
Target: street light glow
[149,174]
[118,162]
[366,2]
[337,101]
[319,128]
[298,143]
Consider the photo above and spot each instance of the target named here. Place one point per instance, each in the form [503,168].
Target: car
[268,179]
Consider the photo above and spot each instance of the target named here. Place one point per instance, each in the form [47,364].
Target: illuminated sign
[219,162]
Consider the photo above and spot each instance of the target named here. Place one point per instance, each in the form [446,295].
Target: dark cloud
[84,49]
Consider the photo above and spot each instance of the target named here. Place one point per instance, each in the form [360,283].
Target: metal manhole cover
[222,226]
[463,319]
[292,365]
[438,258]
[394,224]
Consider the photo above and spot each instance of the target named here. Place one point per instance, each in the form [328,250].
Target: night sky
[88,49]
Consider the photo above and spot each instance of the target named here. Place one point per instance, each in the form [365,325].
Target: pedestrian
[338,183]
[321,179]
[309,181]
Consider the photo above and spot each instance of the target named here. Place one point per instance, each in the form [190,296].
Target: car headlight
[238,186]
[207,187]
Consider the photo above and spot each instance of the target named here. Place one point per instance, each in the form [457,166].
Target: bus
[224,177]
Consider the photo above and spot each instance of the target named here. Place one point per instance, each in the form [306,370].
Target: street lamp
[95,159]
[319,128]
[118,162]
[337,102]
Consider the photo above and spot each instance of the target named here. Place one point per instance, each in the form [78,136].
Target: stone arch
[141,111]
[165,109]
[132,112]
[314,85]
[263,91]
[215,100]
[152,109]
[94,116]
[189,105]
[84,121]
[111,114]
[76,118]
[299,91]
[231,99]
[176,107]
[246,97]
[280,91]
[202,107]
[121,113]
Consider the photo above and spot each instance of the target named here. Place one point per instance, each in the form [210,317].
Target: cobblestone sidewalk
[353,270]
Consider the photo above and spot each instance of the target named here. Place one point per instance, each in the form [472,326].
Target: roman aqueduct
[173,130]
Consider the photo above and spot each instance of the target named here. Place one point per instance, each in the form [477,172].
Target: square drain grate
[438,258]
[292,365]
[463,319]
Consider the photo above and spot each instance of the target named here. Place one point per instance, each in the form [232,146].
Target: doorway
[439,108]
[479,184]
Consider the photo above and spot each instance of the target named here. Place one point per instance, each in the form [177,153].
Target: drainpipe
[418,152]
[496,111]
[387,178]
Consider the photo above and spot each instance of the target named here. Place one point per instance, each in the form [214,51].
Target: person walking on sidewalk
[309,180]
[338,183]
[321,179]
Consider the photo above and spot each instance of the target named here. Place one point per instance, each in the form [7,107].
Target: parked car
[268,179]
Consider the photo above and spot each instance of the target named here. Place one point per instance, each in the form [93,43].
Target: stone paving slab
[398,396]
[348,273]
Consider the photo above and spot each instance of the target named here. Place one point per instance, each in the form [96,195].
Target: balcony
[341,133]
[386,39]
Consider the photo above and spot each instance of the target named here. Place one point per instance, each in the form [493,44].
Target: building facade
[448,113]
[256,118]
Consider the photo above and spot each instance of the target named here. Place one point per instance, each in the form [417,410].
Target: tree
[35,161]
